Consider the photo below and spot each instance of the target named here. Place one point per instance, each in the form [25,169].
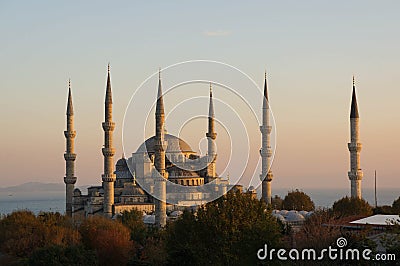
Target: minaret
[211,136]
[69,155]
[108,177]
[355,173]
[159,160]
[265,152]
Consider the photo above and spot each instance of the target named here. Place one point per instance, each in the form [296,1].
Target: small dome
[77,192]
[309,214]
[121,162]
[174,144]
[283,212]
[176,213]
[294,216]
[304,213]
[149,219]
[279,217]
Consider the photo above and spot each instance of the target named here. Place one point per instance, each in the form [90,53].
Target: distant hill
[34,187]
[39,187]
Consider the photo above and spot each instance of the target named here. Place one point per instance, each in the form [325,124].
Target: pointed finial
[159,73]
[210,89]
[108,67]
[265,74]
[353,81]
[69,83]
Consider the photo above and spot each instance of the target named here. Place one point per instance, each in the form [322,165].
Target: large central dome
[175,145]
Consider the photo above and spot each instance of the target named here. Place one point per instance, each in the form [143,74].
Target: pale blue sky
[310,48]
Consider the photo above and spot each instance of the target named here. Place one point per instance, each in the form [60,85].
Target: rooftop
[379,219]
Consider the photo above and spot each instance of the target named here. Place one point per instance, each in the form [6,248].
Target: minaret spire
[69,155]
[160,146]
[70,107]
[265,152]
[108,151]
[354,107]
[355,174]
[211,136]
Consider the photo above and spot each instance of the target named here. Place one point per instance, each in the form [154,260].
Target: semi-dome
[176,172]
[175,144]
[131,189]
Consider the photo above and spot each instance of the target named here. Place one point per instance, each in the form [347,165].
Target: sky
[310,49]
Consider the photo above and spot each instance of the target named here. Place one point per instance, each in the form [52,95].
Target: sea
[54,201]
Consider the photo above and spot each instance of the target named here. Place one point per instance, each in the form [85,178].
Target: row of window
[189,182]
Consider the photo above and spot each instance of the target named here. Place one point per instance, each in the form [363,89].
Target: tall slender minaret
[211,136]
[265,152]
[355,173]
[159,160]
[69,155]
[108,176]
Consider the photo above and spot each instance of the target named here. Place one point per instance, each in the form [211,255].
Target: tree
[391,240]
[229,230]
[59,255]
[396,206]
[277,202]
[349,206]
[385,209]
[133,220]
[298,200]
[110,239]
[317,231]
[21,232]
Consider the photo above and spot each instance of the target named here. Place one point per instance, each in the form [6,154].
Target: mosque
[165,157]
[160,158]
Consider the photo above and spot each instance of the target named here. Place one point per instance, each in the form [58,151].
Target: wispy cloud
[217,33]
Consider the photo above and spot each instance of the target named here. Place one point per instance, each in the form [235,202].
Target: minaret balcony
[266,152]
[108,126]
[108,152]
[69,156]
[355,175]
[108,177]
[265,129]
[70,179]
[211,135]
[354,147]
[267,177]
[70,134]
